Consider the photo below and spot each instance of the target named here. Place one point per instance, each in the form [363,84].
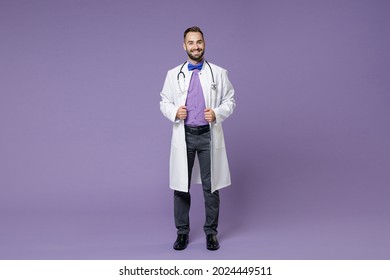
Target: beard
[198,57]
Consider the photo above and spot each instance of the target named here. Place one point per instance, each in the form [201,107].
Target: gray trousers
[200,145]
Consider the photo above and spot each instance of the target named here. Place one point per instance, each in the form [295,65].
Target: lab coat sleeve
[168,106]
[227,104]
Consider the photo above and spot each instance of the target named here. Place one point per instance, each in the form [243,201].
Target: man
[197,97]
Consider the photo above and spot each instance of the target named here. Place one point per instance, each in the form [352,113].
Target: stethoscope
[213,84]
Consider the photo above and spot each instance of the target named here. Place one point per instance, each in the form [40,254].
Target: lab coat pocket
[218,140]
[180,98]
[178,136]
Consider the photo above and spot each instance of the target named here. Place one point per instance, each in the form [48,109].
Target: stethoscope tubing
[184,76]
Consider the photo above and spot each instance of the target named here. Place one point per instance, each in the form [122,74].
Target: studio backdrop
[84,148]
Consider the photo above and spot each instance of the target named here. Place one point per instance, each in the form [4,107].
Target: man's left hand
[209,115]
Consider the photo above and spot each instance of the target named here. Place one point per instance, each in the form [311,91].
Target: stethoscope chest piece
[213,86]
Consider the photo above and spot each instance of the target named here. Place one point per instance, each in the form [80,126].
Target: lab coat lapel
[187,80]
[205,79]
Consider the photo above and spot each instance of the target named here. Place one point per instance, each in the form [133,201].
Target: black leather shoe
[212,242]
[181,242]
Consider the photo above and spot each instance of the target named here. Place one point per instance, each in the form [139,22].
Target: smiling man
[197,97]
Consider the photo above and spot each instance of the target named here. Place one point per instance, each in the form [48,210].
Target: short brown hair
[193,29]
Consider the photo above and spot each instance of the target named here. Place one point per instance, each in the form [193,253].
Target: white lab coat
[221,100]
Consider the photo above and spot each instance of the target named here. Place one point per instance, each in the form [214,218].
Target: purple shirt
[195,102]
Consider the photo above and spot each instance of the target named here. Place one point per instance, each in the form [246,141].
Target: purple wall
[84,148]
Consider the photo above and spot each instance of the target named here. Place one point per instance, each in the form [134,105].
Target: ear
[184,46]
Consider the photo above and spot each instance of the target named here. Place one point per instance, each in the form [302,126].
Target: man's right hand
[181,113]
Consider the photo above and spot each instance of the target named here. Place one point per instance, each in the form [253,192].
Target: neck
[194,62]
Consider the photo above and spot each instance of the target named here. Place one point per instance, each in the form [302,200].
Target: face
[194,46]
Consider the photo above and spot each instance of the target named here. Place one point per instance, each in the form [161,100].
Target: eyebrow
[190,41]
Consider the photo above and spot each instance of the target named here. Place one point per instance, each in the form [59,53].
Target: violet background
[84,148]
